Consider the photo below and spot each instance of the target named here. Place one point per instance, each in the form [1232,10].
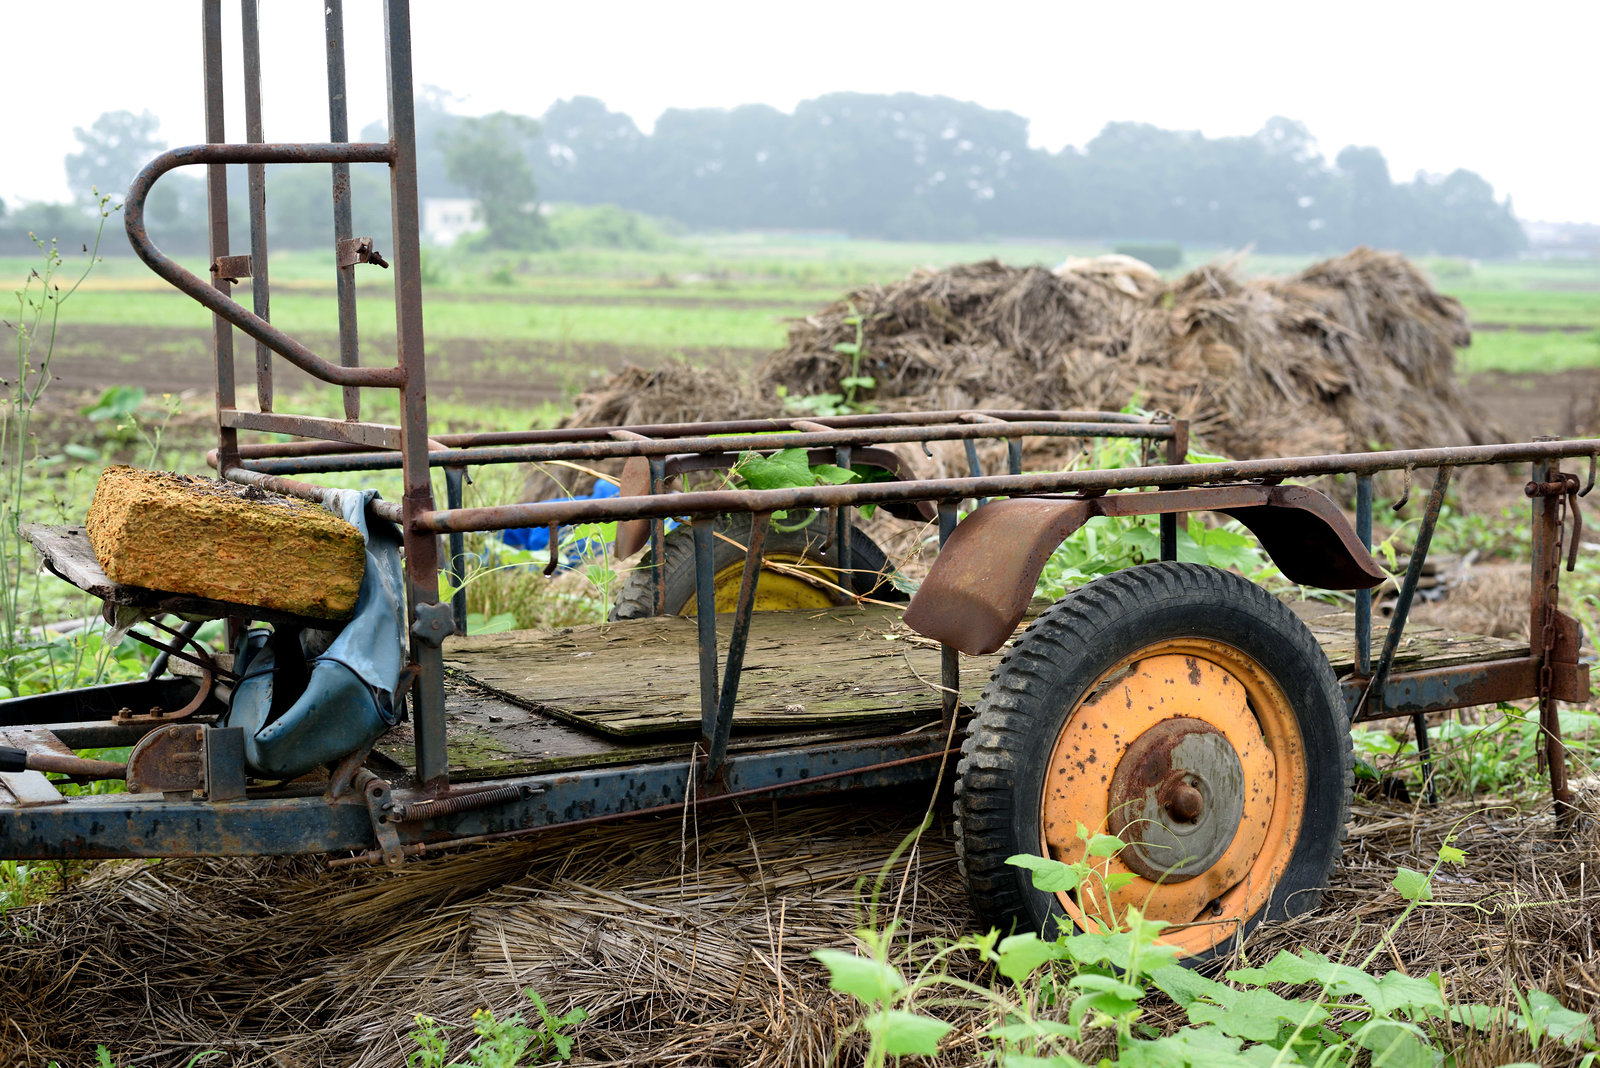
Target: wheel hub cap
[1176,799]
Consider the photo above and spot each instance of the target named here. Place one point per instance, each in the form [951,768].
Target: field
[311,966]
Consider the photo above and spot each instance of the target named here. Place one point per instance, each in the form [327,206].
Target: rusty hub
[1176,798]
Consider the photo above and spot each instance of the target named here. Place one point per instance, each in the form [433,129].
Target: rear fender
[980,586]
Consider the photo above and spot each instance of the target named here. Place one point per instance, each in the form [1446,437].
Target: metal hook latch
[354,250]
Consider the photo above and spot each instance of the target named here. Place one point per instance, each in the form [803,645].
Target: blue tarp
[538,538]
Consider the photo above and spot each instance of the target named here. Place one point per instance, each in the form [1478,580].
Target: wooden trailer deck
[524,702]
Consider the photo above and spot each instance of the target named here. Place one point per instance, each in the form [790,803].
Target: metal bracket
[435,623]
[354,250]
[231,268]
[222,752]
[169,760]
[379,803]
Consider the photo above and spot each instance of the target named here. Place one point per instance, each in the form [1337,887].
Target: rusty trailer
[1176,705]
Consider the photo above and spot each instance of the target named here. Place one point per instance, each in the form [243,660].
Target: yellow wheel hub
[1191,753]
[800,584]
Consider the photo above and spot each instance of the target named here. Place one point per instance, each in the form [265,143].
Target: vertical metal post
[658,532]
[842,534]
[949,657]
[217,230]
[421,547]
[454,495]
[343,227]
[717,745]
[1397,625]
[703,529]
[1177,453]
[1364,597]
[1014,455]
[257,182]
[974,468]
[1546,568]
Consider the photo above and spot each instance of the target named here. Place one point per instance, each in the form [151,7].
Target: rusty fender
[980,586]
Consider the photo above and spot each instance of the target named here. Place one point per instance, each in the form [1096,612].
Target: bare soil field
[511,373]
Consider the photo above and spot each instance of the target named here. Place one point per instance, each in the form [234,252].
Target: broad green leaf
[1018,1030]
[1394,1045]
[868,980]
[1451,855]
[1202,1047]
[906,1034]
[1559,1022]
[1028,1060]
[784,469]
[832,475]
[1105,845]
[847,348]
[1413,885]
[858,382]
[1022,954]
[1051,876]
[1186,986]
[1257,1015]
[1286,967]
[1409,994]
[1108,984]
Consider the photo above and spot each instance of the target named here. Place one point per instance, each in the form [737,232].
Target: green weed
[506,1043]
[1053,1001]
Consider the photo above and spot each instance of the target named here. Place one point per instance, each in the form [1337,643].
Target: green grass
[1519,353]
[1532,306]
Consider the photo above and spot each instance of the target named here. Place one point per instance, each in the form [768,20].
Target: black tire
[870,570]
[1065,661]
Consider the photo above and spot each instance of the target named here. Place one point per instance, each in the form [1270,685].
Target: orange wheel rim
[1205,692]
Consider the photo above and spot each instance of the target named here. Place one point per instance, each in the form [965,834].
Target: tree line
[899,166]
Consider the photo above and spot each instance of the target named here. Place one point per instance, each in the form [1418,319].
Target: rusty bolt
[1182,801]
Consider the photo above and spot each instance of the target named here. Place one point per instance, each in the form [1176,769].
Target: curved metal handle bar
[213,298]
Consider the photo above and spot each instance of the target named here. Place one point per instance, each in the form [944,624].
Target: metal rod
[974,468]
[454,477]
[717,751]
[1014,456]
[343,227]
[256,173]
[658,533]
[705,612]
[533,514]
[842,537]
[216,297]
[1546,567]
[1364,597]
[712,442]
[184,633]
[216,225]
[1408,587]
[421,552]
[1177,453]
[1419,725]
[949,656]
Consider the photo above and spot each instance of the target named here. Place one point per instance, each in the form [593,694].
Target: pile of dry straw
[1352,353]
[688,943]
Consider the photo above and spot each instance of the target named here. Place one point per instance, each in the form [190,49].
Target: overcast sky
[1507,90]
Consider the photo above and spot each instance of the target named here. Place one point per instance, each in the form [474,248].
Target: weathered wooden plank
[29,788]
[843,668]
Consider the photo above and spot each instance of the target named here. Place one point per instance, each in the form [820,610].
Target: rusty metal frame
[351,445]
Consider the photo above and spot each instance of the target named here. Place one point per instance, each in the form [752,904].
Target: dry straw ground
[688,942]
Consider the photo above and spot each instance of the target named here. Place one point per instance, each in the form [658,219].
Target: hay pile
[687,944]
[1353,353]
